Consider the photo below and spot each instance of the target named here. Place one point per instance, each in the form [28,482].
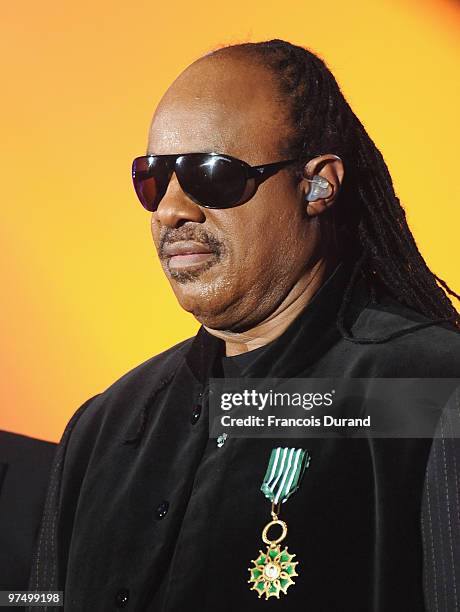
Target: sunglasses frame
[258,174]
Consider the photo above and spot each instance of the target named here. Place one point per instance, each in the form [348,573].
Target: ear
[330,167]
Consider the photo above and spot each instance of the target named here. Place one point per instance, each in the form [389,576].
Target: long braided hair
[379,242]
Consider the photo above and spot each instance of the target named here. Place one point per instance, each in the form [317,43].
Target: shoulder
[427,351]
[117,406]
[149,372]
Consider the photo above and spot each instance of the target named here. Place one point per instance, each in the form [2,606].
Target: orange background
[84,298]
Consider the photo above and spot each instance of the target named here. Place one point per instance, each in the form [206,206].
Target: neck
[280,319]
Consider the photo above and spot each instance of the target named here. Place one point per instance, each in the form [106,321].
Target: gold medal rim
[280,538]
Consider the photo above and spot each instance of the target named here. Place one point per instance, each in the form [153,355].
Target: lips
[186,247]
[187,254]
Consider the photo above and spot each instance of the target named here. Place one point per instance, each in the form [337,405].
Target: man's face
[256,251]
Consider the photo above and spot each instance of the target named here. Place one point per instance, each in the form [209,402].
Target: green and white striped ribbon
[284,472]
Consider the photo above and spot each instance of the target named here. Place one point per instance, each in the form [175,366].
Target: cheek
[273,229]
[268,239]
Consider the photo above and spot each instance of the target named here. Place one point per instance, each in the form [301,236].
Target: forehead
[225,105]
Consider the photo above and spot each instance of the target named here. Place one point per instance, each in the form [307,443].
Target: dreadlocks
[380,242]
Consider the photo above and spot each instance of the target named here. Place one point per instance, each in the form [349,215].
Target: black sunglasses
[209,179]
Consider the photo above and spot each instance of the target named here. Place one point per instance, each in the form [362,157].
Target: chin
[208,302]
[215,296]
[219,310]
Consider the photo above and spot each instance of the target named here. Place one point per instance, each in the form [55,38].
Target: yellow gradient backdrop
[84,299]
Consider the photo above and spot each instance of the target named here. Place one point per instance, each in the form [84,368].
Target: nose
[176,208]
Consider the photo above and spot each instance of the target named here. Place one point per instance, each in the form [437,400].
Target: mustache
[195,234]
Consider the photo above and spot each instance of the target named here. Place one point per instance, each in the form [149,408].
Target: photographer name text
[273,421]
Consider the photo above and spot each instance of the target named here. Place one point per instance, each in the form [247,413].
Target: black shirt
[233,367]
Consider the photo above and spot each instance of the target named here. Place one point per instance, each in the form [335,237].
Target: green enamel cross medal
[273,571]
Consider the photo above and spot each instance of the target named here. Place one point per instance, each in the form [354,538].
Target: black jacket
[24,472]
[172,522]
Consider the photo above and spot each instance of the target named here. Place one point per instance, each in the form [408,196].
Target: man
[304,268]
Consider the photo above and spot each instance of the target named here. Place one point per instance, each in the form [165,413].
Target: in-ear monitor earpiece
[320,188]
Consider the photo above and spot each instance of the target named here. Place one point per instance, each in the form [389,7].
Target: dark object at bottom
[24,471]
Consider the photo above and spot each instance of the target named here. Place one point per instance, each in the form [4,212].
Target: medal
[273,570]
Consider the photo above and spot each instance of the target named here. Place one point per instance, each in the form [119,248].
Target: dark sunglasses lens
[150,179]
[214,181]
